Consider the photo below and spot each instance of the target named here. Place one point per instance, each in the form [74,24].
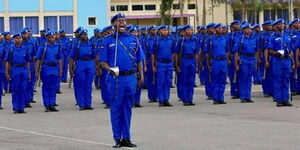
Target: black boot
[288,104]
[117,144]
[47,109]
[167,104]
[53,109]
[127,143]
[28,106]
[279,104]
[1,107]
[137,105]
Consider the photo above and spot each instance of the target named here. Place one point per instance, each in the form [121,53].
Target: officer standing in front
[122,56]
[17,73]
[65,42]
[49,57]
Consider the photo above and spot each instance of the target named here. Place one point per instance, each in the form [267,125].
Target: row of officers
[122,58]
[270,57]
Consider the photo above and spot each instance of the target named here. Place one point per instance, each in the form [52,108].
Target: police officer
[17,73]
[245,51]
[49,58]
[179,76]
[280,49]
[65,42]
[7,42]
[122,56]
[42,39]
[258,73]
[2,67]
[96,40]
[216,52]
[201,40]
[83,57]
[162,64]
[187,51]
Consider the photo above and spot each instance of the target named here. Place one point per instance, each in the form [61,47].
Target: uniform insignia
[111,45]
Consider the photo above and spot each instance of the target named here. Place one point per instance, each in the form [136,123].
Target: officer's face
[236,27]
[51,39]
[211,30]
[84,37]
[164,32]
[98,34]
[269,27]
[218,30]
[153,31]
[247,31]
[198,30]
[76,34]
[7,37]
[280,26]
[134,33]
[257,29]
[182,33]
[189,32]
[120,24]
[18,40]
[26,35]
[144,32]
[225,30]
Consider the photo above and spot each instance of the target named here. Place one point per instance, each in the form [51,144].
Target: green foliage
[165,12]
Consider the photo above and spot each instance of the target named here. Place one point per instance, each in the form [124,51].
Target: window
[33,23]
[92,21]
[237,15]
[112,8]
[122,8]
[66,23]
[15,24]
[269,15]
[137,7]
[150,7]
[192,6]
[251,17]
[1,24]
[296,12]
[50,22]
[283,14]
[176,6]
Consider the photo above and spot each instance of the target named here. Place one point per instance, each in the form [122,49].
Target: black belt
[219,58]
[126,73]
[248,54]
[164,60]
[189,56]
[51,64]
[19,65]
[282,57]
[85,59]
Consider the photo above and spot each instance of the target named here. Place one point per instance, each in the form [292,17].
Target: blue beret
[129,27]
[295,20]
[255,26]
[25,30]
[84,31]
[203,28]
[49,33]
[107,28]
[17,35]
[187,27]
[144,28]
[117,16]
[218,25]
[5,33]
[28,29]
[234,22]
[96,30]
[163,27]
[132,29]
[210,25]
[179,28]
[278,21]
[199,27]
[78,29]
[267,23]
[152,27]
[226,26]
[61,31]
[245,26]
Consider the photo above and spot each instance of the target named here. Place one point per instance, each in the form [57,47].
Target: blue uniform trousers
[137,96]
[207,83]
[104,87]
[97,81]
[202,75]
[19,84]
[83,90]
[219,74]
[30,86]
[65,68]
[247,67]
[267,84]
[258,74]
[49,89]
[188,75]
[150,83]
[281,78]
[179,85]
[234,91]
[122,90]
[163,80]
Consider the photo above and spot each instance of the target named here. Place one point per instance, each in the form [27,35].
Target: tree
[165,12]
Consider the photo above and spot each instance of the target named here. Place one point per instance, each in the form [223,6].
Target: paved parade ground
[235,126]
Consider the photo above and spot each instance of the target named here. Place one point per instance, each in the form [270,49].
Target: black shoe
[172,86]
[179,99]
[21,112]
[243,101]
[32,101]
[279,104]
[234,97]
[34,91]
[192,104]
[209,98]
[58,92]
[222,102]
[1,107]
[216,102]
[186,104]
[6,92]
[288,104]
[155,100]
[294,93]
[107,106]
[81,108]
[16,112]
[127,143]
[250,101]
[138,105]
[28,106]
[117,144]
[53,109]
[161,105]
[47,109]
[297,93]
[88,108]
[167,104]
[55,104]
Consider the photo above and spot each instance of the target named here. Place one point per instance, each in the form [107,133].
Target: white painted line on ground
[59,137]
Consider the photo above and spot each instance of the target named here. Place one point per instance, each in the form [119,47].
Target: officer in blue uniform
[17,73]
[258,73]
[7,42]
[179,76]
[162,64]
[122,56]
[201,40]
[96,40]
[84,57]
[65,42]
[245,51]
[216,52]
[30,45]
[42,39]
[187,52]
[49,57]
[2,68]
[143,35]
[267,84]
[151,83]
[281,51]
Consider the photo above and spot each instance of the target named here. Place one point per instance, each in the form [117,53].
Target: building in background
[53,14]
